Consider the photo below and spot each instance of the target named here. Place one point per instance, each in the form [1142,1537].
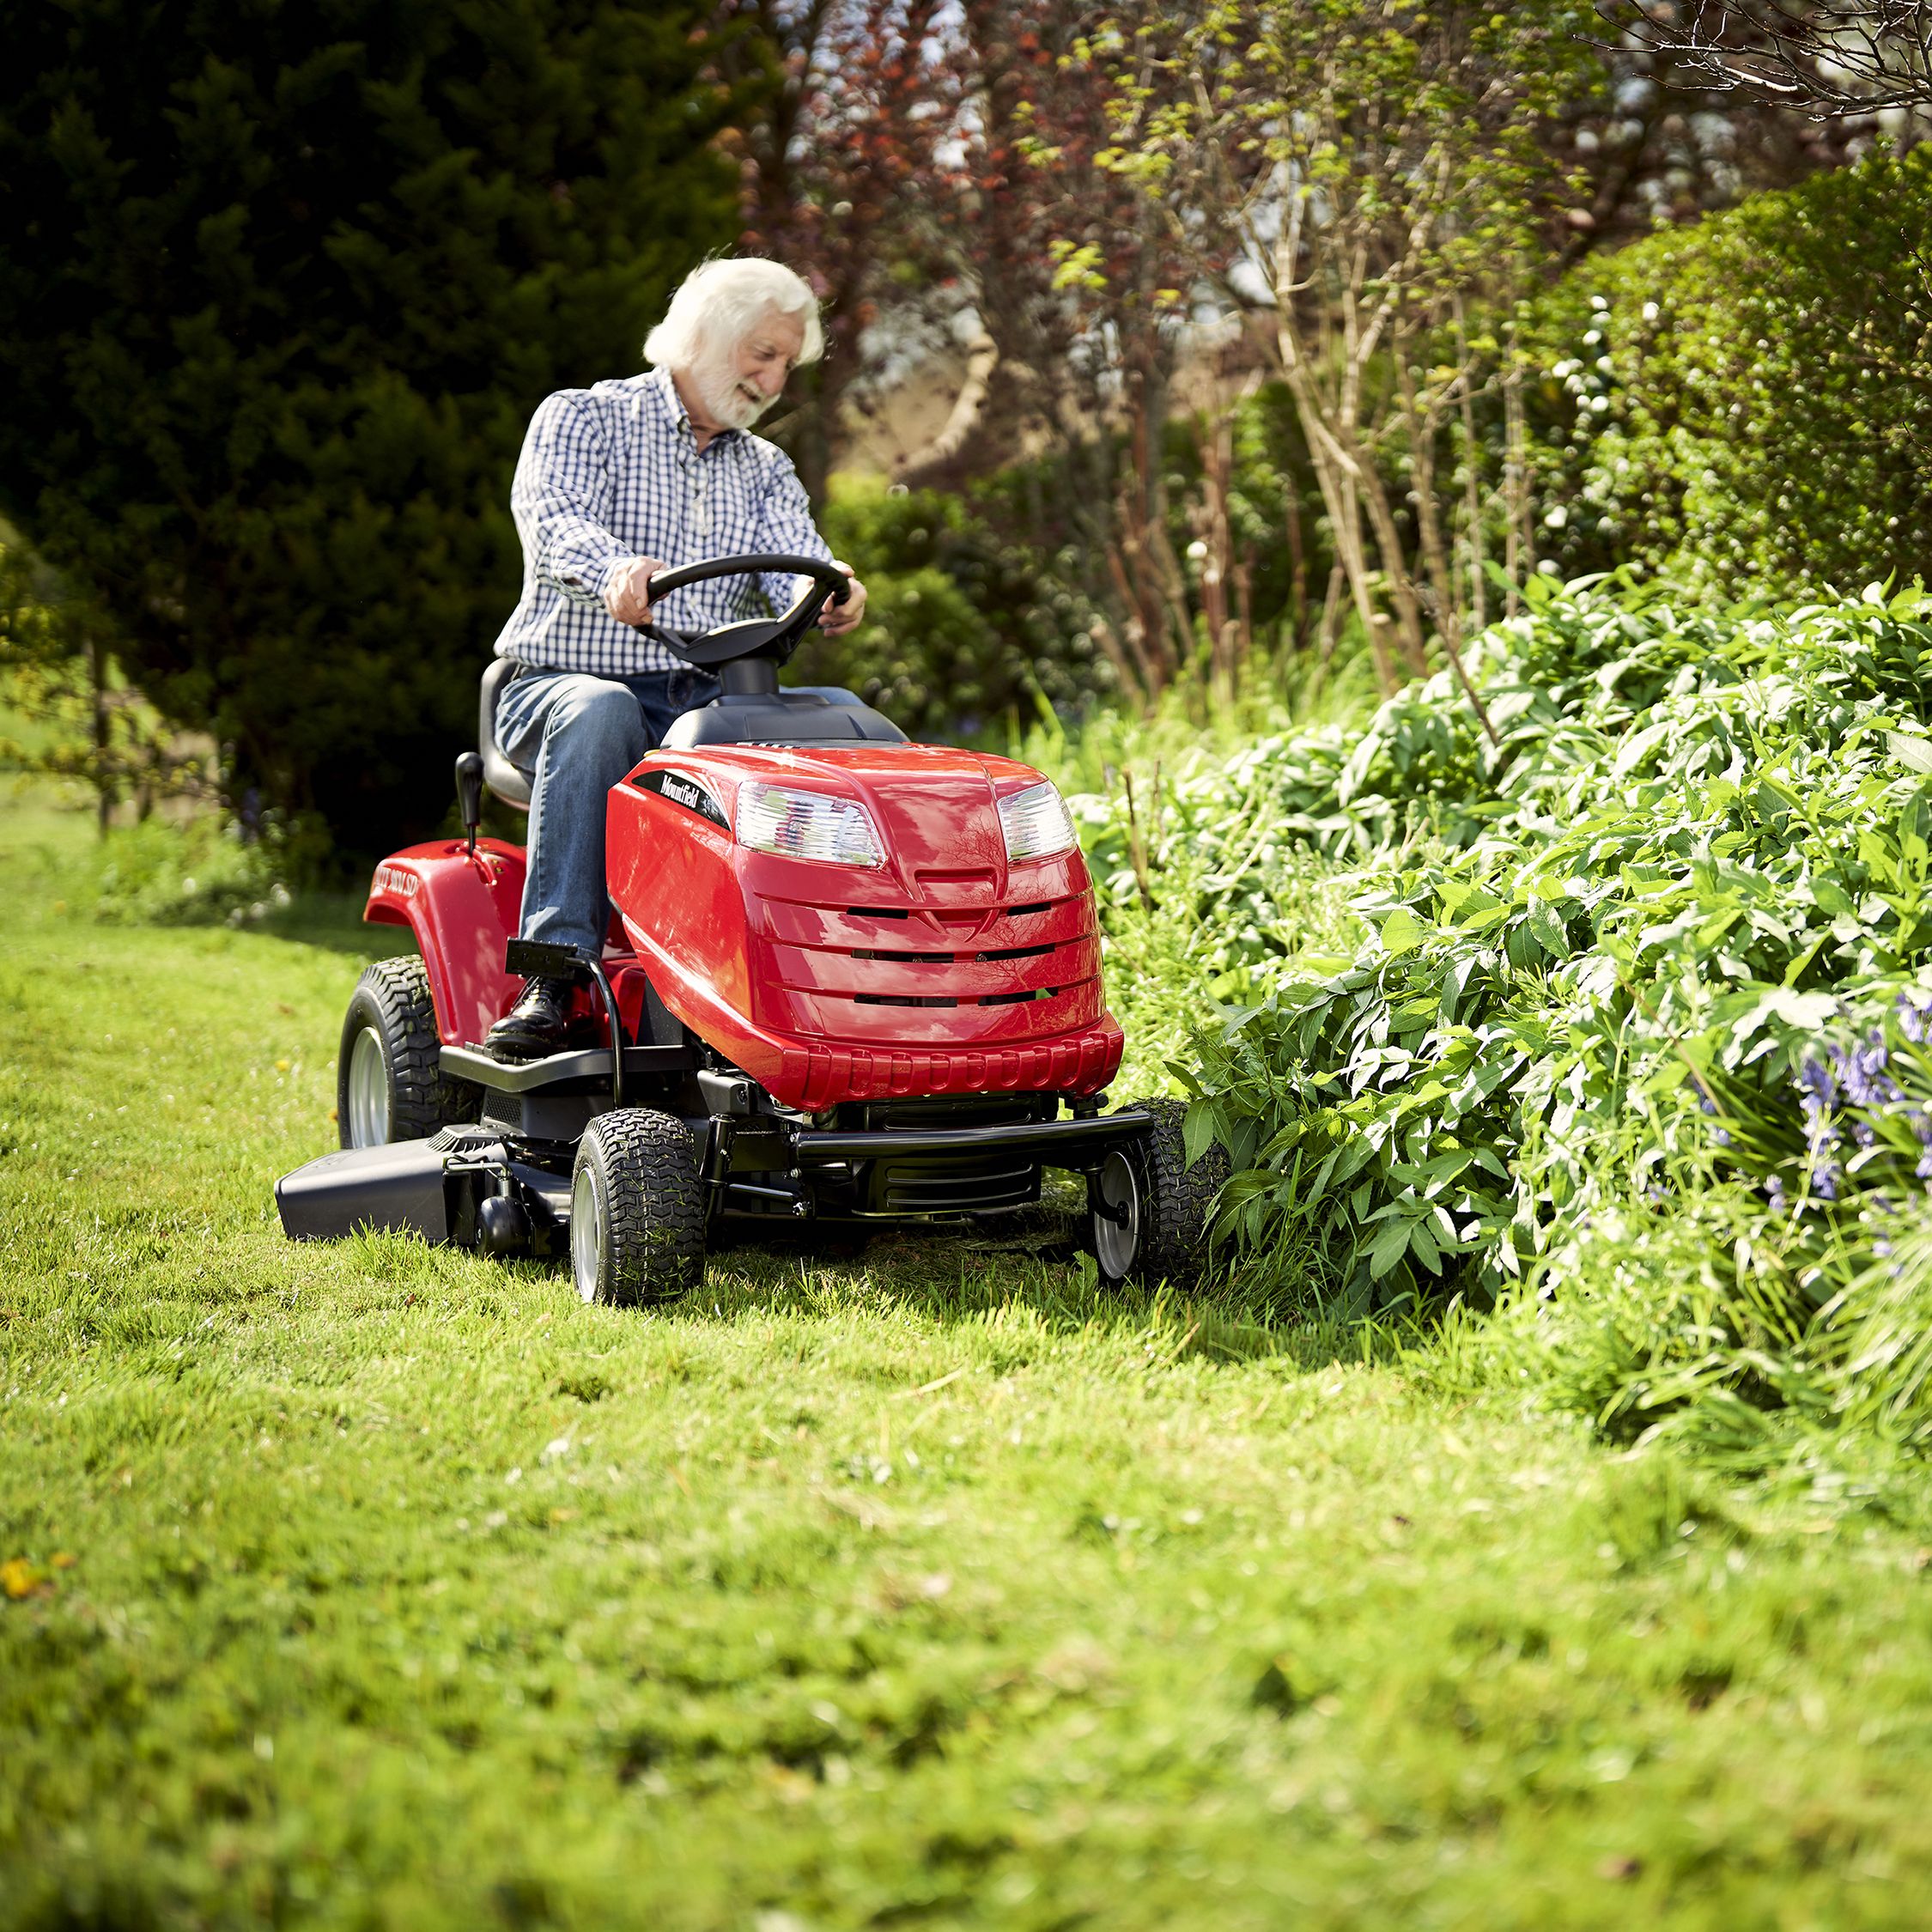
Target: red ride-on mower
[848,978]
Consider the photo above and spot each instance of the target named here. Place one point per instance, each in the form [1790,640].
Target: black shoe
[535,1025]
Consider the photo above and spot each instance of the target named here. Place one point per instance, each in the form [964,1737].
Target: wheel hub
[369,1091]
[587,1233]
[1116,1216]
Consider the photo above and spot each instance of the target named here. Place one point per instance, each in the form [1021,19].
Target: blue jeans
[574,736]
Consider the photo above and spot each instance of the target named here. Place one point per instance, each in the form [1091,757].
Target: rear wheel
[390,1083]
[637,1210]
[1150,1209]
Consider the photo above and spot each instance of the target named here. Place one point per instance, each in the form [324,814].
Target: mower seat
[499,773]
[809,715]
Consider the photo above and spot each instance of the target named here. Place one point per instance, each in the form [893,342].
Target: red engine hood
[945,970]
[935,807]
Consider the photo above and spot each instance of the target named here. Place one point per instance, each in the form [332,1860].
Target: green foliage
[199,873]
[1628,1039]
[962,630]
[278,290]
[1690,1327]
[65,710]
[1748,403]
[1701,841]
[982,604]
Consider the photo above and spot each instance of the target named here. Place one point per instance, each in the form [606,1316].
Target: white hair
[719,303]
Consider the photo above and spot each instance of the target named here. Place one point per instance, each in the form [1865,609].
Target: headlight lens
[1036,823]
[807,825]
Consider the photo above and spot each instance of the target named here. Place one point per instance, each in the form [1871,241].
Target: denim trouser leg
[576,736]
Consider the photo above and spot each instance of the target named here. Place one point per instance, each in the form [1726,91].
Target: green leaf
[1402,931]
[1388,1248]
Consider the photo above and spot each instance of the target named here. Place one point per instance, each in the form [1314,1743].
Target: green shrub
[1746,403]
[1700,846]
[963,631]
[1616,1029]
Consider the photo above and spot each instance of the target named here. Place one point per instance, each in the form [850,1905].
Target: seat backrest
[815,715]
[499,773]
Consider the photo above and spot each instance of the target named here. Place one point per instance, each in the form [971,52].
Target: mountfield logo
[674,788]
[393,878]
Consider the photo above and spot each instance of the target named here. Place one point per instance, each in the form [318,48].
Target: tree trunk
[101,773]
[1519,548]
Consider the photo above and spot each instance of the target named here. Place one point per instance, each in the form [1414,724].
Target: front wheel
[1150,1209]
[390,1083]
[636,1210]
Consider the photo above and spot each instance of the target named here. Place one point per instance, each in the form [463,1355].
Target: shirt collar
[670,406]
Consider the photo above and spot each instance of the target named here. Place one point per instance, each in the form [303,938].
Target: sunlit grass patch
[370,1583]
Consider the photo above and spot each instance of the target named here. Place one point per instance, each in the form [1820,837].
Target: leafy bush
[963,631]
[1749,399]
[199,873]
[1699,845]
[1615,1028]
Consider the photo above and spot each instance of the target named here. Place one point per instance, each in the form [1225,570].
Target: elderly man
[616,483]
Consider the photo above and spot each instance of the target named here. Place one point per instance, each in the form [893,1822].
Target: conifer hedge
[279,288]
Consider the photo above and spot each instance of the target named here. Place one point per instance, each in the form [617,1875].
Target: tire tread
[1177,1199]
[424,1099]
[655,1201]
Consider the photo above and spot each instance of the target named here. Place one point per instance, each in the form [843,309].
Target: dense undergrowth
[1605,1019]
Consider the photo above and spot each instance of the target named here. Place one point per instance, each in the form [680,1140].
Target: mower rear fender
[462,907]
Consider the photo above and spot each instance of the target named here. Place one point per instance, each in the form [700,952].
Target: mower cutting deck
[848,978]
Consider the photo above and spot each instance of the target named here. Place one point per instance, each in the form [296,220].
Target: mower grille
[955,1183]
[954,975]
[936,1184]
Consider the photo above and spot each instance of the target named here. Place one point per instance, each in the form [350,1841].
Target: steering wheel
[776,638]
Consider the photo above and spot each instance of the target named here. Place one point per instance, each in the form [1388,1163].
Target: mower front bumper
[1068,1143]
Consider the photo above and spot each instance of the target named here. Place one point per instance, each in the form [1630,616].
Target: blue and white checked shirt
[614,472]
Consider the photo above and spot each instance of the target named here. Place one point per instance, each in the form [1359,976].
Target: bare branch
[1822,61]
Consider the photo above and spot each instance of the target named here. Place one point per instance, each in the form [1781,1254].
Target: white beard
[717,384]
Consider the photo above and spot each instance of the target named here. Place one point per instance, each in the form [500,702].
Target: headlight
[1036,823]
[807,825]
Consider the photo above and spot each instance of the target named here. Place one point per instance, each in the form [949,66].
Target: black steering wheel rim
[775,637]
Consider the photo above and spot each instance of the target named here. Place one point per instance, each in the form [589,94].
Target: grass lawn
[373,1585]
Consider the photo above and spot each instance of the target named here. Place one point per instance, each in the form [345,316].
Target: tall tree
[839,171]
[279,288]
[1351,171]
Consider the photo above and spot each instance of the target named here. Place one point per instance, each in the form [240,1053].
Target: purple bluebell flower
[1826,1179]
[1862,1070]
[1815,1083]
[1912,1018]
[1774,1193]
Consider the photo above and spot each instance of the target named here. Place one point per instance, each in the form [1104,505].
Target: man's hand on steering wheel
[625,597]
[836,619]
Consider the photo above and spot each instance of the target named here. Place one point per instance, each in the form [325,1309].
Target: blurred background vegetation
[279,290]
